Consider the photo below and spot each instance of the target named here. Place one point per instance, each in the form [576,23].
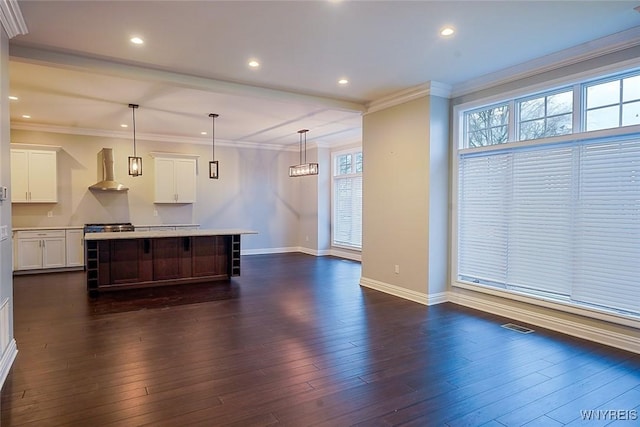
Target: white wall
[254,190]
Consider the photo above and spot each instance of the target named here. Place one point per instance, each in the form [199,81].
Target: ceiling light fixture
[13,98]
[213,164]
[447,31]
[124,125]
[26,116]
[203,133]
[253,63]
[304,168]
[135,162]
[136,40]
[343,82]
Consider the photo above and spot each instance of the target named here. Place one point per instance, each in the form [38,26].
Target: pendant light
[304,168]
[213,164]
[135,162]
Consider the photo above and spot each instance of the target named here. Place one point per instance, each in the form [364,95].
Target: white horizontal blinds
[540,222]
[484,202]
[608,226]
[348,211]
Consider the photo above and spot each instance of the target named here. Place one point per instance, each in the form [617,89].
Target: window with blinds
[559,216]
[560,220]
[347,199]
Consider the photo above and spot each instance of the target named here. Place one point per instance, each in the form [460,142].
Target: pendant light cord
[213,135]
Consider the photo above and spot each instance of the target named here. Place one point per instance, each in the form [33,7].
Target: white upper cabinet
[34,176]
[175,178]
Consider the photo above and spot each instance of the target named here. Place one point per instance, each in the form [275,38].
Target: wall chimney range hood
[108,182]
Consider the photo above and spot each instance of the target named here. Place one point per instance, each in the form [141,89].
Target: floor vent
[517,328]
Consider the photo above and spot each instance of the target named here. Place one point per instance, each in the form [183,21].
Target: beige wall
[253,192]
[396,196]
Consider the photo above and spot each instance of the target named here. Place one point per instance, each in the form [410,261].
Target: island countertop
[166,233]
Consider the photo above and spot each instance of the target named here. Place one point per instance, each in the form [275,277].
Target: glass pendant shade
[135,166]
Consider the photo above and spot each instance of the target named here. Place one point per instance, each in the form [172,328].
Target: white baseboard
[313,252]
[346,254]
[554,323]
[266,251]
[309,251]
[408,294]
[8,357]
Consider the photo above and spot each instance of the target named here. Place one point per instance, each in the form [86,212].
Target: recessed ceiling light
[124,125]
[136,40]
[203,133]
[343,82]
[447,31]
[26,116]
[13,98]
[253,63]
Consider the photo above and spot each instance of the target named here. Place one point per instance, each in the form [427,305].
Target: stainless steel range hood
[108,182]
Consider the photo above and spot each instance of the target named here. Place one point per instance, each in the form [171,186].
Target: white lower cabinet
[75,248]
[39,249]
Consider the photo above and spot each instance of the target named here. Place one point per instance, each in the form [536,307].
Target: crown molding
[11,18]
[573,55]
[426,89]
[148,137]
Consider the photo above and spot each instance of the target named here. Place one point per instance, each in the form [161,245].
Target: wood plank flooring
[295,341]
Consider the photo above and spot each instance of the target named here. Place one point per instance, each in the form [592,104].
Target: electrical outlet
[155,212]
[397,269]
[50,214]
[306,238]
[4,232]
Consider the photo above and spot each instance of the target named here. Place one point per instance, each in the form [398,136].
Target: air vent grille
[517,328]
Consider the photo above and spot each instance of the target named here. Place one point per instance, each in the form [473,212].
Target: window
[546,115]
[487,126]
[347,199]
[554,218]
[613,103]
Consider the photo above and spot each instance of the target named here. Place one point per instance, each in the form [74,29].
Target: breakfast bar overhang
[137,259]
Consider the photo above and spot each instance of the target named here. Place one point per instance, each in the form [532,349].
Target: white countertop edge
[55,227]
[165,233]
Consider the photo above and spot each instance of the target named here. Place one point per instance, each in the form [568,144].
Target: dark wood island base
[129,260]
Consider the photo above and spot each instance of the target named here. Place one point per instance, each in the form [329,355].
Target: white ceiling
[76,70]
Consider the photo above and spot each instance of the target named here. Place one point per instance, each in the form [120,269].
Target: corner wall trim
[554,323]
[8,357]
[408,294]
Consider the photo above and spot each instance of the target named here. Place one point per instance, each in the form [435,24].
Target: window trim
[334,154]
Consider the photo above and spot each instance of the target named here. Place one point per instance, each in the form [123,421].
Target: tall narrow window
[347,199]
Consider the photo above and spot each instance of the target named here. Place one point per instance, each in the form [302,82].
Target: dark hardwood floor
[295,341]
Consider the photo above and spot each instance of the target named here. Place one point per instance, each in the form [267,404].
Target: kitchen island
[137,259]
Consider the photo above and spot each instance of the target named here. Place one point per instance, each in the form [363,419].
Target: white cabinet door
[19,176]
[34,177]
[43,182]
[165,181]
[175,180]
[28,254]
[54,252]
[75,248]
[185,170]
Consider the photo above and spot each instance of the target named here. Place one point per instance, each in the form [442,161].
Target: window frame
[334,178]
[578,84]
